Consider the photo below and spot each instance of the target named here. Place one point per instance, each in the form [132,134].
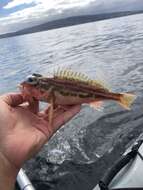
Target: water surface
[110,50]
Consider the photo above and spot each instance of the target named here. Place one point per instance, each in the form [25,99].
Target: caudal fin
[126,100]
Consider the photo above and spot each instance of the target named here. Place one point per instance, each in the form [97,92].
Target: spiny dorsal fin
[67,74]
[71,75]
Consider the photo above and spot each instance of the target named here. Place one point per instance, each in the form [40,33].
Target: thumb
[12,99]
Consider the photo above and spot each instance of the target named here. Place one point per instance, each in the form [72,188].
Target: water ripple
[110,50]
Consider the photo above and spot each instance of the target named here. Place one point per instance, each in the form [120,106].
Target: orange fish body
[69,88]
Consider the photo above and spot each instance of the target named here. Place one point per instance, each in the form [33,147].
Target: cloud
[49,4]
[15,3]
[43,8]
[42,11]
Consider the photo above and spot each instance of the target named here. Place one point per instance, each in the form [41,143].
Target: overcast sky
[19,14]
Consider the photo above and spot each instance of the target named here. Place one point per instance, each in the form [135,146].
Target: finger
[65,117]
[34,106]
[12,99]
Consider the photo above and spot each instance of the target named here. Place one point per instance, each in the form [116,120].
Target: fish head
[29,87]
[32,80]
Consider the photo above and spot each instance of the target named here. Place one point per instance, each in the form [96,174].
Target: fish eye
[32,80]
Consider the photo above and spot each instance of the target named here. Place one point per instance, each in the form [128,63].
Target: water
[78,154]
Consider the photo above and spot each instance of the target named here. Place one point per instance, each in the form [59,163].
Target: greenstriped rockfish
[70,88]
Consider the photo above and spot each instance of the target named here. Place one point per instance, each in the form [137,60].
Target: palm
[23,133]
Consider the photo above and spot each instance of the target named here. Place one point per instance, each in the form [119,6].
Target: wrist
[8,173]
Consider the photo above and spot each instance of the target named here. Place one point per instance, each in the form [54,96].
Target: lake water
[110,50]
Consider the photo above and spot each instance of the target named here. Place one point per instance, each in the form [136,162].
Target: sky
[19,14]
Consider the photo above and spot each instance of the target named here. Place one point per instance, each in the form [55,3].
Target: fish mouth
[22,84]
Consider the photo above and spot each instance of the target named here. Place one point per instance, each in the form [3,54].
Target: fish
[67,87]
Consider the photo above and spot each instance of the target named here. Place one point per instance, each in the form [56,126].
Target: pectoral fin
[51,111]
[96,104]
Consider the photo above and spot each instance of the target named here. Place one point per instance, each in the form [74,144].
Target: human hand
[24,130]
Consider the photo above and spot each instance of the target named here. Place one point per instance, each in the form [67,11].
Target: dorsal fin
[71,75]
[68,74]
[98,84]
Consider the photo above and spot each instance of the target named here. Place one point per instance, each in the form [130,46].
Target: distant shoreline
[70,21]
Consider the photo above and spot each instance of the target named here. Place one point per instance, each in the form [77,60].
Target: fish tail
[126,100]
